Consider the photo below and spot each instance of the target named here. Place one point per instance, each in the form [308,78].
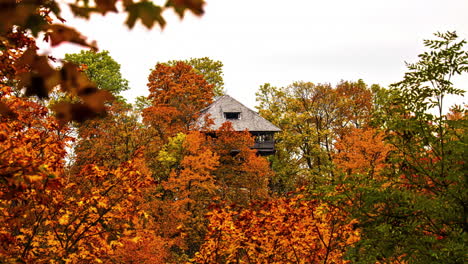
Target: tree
[100,68]
[190,186]
[312,117]
[362,152]
[419,216]
[211,70]
[41,79]
[177,94]
[197,170]
[49,214]
[110,140]
[282,230]
[242,176]
[32,152]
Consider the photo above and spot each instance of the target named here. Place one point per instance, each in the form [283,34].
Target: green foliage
[102,69]
[211,70]
[420,214]
[311,116]
[430,79]
[142,102]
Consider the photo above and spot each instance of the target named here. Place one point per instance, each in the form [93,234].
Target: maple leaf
[58,33]
[148,12]
[105,6]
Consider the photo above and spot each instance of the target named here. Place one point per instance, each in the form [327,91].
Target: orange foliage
[144,247]
[48,215]
[193,179]
[13,46]
[110,140]
[177,94]
[283,230]
[362,151]
[32,152]
[243,176]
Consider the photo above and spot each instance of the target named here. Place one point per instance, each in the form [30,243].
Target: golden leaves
[270,230]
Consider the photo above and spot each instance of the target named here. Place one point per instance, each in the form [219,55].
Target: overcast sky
[280,42]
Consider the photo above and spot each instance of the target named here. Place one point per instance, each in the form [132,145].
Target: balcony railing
[265,145]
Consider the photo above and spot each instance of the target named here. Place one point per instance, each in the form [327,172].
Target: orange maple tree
[49,214]
[243,175]
[110,140]
[178,94]
[362,151]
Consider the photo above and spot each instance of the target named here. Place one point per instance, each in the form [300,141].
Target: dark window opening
[264,138]
[232,115]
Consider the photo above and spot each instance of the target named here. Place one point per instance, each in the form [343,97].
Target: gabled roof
[249,119]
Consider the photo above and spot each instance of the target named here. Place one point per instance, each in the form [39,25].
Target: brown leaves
[148,12]
[41,79]
[105,6]
[13,13]
[58,33]
[78,112]
[180,6]
[6,111]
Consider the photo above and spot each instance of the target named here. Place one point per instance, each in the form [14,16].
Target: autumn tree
[211,70]
[419,215]
[190,186]
[312,117]
[32,152]
[39,16]
[198,169]
[282,230]
[363,151]
[110,140]
[242,176]
[50,214]
[177,94]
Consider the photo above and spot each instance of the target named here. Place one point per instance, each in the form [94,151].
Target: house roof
[248,118]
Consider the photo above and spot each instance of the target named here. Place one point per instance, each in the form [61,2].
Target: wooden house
[226,108]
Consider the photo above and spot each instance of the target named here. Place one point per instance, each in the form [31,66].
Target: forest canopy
[360,173]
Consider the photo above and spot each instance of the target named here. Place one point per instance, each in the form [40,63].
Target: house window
[232,115]
[260,138]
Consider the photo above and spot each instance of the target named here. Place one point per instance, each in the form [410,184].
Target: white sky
[280,42]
